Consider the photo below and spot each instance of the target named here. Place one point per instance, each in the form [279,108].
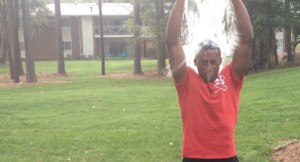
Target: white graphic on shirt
[220,84]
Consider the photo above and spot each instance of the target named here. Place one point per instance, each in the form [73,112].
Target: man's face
[208,64]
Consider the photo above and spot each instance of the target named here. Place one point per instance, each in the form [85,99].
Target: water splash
[208,19]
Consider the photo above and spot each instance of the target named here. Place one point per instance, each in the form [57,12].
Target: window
[67,46]
[117,49]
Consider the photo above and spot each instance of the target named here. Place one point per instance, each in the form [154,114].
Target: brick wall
[44,44]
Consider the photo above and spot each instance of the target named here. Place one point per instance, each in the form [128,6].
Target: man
[208,99]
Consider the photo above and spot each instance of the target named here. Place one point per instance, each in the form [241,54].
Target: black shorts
[232,159]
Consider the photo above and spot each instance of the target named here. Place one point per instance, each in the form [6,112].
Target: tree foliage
[38,13]
[269,17]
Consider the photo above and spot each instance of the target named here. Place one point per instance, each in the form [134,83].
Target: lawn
[104,119]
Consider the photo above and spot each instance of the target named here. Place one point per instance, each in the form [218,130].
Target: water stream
[209,19]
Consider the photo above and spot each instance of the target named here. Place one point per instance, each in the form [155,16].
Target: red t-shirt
[209,114]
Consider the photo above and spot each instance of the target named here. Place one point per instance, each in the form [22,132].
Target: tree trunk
[7,50]
[137,50]
[8,25]
[253,66]
[288,32]
[2,43]
[101,40]
[288,46]
[2,47]
[160,39]
[269,48]
[59,40]
[296,32]
[4,53]
[10,58]
[15,29]
[274,49]
[17,50]
[262,56]
[30,69]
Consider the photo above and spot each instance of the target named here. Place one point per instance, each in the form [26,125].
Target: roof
[91,9]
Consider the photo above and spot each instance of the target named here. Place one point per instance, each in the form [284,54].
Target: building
[80,29]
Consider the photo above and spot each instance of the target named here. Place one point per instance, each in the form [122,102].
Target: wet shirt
[209,114]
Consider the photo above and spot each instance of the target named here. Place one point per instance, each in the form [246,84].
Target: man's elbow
[170,41]
[247,38]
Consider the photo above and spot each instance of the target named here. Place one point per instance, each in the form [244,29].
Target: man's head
[208,60]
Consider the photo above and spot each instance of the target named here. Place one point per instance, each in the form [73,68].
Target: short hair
[206,44]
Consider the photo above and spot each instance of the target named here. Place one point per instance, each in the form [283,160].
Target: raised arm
[243,50]
[176,53]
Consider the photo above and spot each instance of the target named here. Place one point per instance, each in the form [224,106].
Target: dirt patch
[53,78]
[289,152]
[146,75]
[283,60]
[43,78]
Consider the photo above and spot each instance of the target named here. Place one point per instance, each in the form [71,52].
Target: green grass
[119,120]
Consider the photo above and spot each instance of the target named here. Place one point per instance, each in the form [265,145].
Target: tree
[12,39]
[2,59]
[295,25]
[3,14]
[5,20]
[152,24]
[9,13]
[101,38]
[3,49]
[59,41]
[288,30]
[137,32]
[266,21]
[160,36]
[30,69]
[154,17]
[17,64]
[296,42]
[39,16]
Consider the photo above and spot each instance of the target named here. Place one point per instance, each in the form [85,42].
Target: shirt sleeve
[234,78]
[184,79]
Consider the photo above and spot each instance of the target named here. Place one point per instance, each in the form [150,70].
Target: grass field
[103,119]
